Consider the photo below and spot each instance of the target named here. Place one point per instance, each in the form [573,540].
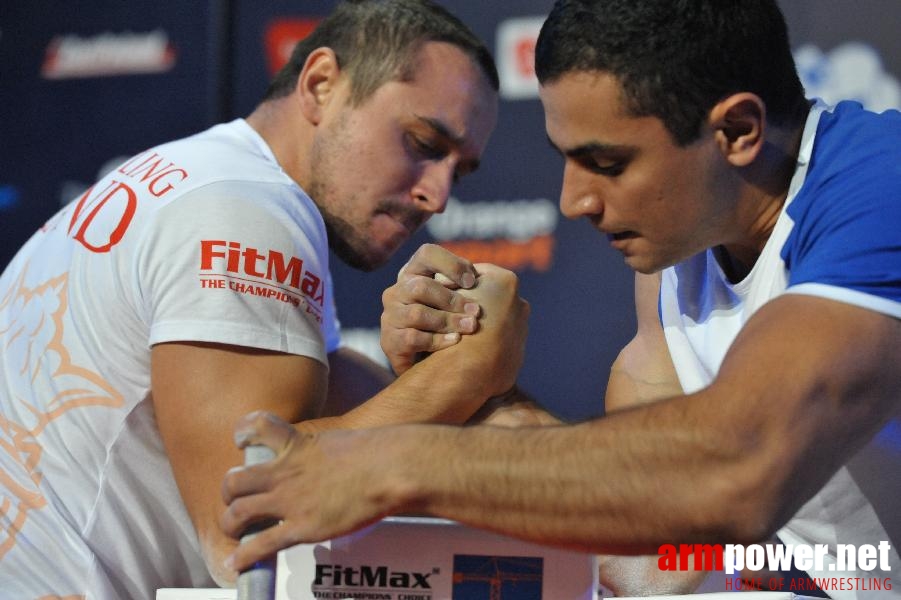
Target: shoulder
[231,151]
[855,151]
[854,174]
[845,215]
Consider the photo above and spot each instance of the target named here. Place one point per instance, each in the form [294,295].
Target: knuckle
[413,312]
[263,420]
[437,342]
[230,483]
[388,341]
[399,366]
[412,339]
[507,277]
[238,512]
[390,326]
[256,420]
[388,296]
[224,520]
[418,286]
[454,300]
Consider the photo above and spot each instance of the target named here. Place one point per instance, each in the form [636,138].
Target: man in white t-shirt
[191,286]
[760,396]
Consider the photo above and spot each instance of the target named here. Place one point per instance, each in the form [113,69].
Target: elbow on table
[215,549]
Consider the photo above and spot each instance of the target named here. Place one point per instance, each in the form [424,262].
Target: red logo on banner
[525,56]
[281,37]
[516,39]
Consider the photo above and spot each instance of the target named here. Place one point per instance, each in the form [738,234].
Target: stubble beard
[342,235]
[349,241]
[343,238]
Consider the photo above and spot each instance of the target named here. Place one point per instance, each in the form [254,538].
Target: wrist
[484,366]
[401,459]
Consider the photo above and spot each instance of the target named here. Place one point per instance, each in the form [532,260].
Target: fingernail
[241,438]
[452,337]
[229,562]
[468,280]
[471,308]
[467,323]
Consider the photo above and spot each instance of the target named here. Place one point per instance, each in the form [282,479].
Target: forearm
[532,483]
[624,484]
[730,463]
[447,388]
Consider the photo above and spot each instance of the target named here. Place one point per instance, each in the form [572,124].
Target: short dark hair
[675,59]
[377,41]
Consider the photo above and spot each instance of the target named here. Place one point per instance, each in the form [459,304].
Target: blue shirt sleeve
[847,215]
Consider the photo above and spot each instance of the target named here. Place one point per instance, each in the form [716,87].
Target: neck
[765,186]
[288,137]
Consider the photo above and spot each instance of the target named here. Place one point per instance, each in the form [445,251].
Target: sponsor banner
[107,54]
[514,234]
[853,70]
[515,57]
[282,35]
[403,558]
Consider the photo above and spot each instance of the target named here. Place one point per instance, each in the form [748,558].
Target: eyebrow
[442,130]
[590,149]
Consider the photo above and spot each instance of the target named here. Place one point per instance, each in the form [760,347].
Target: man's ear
[739,124]
[317,83]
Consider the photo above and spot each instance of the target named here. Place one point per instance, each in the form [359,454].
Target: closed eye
[608,169]
[608,160]
[425,149]
[600,161]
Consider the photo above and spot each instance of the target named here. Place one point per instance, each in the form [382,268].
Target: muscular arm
[471,371]
[201,390]
[643,373]
[804,373]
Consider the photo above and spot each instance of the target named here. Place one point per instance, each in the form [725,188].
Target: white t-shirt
[837,238]
[202,239]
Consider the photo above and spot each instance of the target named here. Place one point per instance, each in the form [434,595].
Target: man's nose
[433,188]
[577,196]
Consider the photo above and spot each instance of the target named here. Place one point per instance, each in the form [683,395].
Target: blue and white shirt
[838,237]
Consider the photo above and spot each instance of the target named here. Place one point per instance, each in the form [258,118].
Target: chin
[644,266]
[362,259]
